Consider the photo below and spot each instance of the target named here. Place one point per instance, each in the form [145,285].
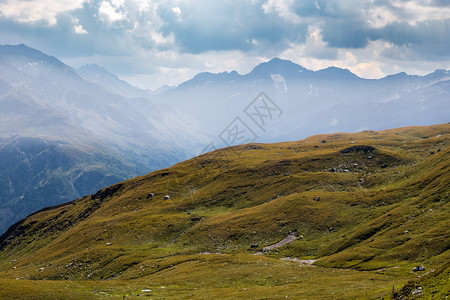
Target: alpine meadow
[254,149]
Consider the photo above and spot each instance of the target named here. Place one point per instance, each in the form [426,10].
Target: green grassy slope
[368,206]
[435,285]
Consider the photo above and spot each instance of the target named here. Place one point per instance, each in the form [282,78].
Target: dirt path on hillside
[289,239]
[302,262]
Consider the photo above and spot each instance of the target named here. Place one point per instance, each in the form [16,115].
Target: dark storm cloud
[62,39]
[227,25]
[430,40]
[202,26]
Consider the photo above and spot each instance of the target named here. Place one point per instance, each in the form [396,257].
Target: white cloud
[316,5]
[78,28]
[420,11]
[142,5]
[313,47]
[412,12]
[176,10]
[174,68]
[160,39]
[378,17]
[37,10]
[282,8]
[109,12]
[117,3]
[370,70]
[366,62]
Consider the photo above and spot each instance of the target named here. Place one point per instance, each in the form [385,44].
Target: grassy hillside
[365,208]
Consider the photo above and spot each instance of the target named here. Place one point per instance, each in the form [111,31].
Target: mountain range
[64,135]
[67,132]
[311,102]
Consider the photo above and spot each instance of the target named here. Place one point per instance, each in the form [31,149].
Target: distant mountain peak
[398,76]
[336,73]
[441,72]
[276,60]
[438,75]
[22,50]
[95,69]
[285,63]
[336,69]
[110,81]
[203,77]
[277,66]
[92,67]
[162,89]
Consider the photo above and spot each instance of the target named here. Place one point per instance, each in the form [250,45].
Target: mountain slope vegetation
[365,208]
[43,98]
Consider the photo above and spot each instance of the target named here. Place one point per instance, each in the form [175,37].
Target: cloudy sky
[156,42]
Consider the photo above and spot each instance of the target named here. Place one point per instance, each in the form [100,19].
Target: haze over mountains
[308,102]
[65,133]
[62,135]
